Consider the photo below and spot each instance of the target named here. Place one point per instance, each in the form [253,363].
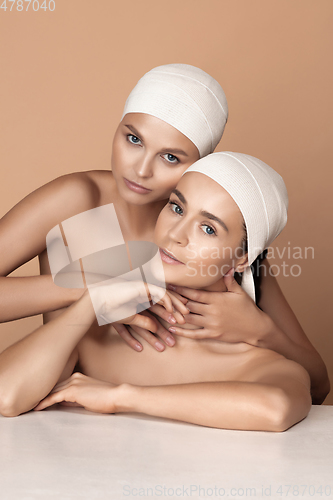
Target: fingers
[67,403]
[231,283]
[156,292]
[184,300]
[148,337]
[196,319]
[76,377]
[170,301]
[164,334]
[54,398]
[178,304]
[179,317]
[162,313]
[190,293]
[197,308]
[201,333]
[124,333]
[176,317]
[144,321]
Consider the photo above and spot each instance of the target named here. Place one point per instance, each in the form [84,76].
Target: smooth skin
[155,157]
[247,388]
[275,396]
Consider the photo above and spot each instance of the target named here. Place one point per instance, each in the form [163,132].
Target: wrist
[266,331]
[84,308]
[74,294]
[128,398]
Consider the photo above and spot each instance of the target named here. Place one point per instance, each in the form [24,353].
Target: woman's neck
[137,221]
[218,286]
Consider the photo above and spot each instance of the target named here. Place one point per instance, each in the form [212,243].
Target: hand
[229,316]
[144,329]
[79,390]
[118,299]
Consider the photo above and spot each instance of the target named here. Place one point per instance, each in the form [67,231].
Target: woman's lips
[167,259]
[136,188]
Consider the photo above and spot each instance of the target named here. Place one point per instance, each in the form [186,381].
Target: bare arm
[31,367]
[233,317]
[275,396]
[276,400]
[21,297]
[285,335]
[23,233]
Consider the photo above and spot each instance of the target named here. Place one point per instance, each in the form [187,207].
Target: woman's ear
[242,264]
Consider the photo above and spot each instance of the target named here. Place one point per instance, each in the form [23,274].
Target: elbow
[289,409]
[7,408]
[8,405]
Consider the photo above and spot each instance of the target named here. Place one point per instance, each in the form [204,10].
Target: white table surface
[70,453]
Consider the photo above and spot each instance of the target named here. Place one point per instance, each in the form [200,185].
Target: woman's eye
[133,139]
[175,208]
[210,229]
[170,158]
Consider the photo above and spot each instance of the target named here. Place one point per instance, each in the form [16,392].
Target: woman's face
[151,153]
[202,227]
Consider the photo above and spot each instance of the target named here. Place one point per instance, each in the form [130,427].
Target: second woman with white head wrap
[193,103]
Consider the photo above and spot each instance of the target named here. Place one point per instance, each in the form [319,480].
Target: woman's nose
[144,168]
[178,233]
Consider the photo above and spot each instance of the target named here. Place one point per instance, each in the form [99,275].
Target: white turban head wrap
[186,98]
[260,194]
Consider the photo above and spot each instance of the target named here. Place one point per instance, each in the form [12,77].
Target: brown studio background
[66,75]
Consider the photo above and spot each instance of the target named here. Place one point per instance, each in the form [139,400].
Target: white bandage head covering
[260,194]
[186,98]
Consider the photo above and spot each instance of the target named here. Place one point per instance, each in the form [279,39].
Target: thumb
[230,282]
[143,321]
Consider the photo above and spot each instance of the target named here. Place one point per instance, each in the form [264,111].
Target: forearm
[285,335]
[30,368]
[224,405]
[304,354]
[21,297]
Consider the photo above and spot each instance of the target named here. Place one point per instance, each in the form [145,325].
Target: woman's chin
[178,278]
[173,274]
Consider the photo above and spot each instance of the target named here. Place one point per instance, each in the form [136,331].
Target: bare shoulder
[269,367]
[69,194]
[104,184]
[24,228]
[78,190]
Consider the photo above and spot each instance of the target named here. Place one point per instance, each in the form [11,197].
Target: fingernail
[231,272]
[172,329]
[171,287]
[170,341]
[172,319]
[159,346]
[138,347]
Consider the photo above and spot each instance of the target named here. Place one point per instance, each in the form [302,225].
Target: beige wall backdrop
[66,75]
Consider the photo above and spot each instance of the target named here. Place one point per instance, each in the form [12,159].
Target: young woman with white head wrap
[175,115]
[185,97]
